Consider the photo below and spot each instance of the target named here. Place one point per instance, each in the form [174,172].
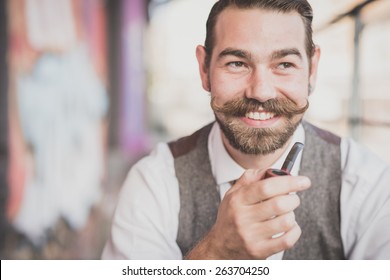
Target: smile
[259,116]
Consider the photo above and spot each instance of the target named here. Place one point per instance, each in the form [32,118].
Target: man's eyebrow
[235,52]
[286,52]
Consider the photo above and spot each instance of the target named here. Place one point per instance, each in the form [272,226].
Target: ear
[314,67]
[203,69]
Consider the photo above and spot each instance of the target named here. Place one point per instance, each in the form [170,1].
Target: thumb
[250,176]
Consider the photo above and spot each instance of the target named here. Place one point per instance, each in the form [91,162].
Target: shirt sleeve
[145,222]
[365,203]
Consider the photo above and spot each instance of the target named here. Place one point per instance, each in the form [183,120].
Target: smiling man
[205,196]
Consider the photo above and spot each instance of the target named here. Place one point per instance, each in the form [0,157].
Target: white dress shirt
[146,221]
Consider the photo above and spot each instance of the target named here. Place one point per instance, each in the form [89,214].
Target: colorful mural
[57,113]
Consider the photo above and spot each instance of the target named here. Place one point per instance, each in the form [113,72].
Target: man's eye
[285,65]
[236,64]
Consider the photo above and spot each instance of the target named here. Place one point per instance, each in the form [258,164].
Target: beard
[257,141]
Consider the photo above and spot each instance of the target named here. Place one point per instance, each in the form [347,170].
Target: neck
[254,161]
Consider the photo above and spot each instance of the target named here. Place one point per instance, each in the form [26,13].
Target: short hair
[302,7]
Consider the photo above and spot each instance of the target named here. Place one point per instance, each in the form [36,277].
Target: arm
[365,203]
[251,213]
[145,221]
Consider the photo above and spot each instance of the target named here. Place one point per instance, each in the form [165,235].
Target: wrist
[207,249]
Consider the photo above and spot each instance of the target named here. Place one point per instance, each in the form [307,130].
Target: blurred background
[87,87]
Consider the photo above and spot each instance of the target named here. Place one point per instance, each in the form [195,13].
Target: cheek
[226,87]
[295,89]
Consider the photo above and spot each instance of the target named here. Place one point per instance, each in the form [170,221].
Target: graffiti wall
[57,114]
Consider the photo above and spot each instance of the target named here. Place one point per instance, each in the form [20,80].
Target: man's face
[258,77]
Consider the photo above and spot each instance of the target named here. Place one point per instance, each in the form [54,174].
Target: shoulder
[323,134]
[145,220]
[186,144]
[160,159]
[360,162]
[152,176]
[366,176]
[365,202]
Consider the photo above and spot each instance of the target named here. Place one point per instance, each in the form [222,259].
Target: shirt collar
[225,169]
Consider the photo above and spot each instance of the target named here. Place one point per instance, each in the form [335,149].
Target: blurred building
[57,107]
[352,94]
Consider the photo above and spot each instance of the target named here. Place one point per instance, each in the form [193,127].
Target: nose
[261,86]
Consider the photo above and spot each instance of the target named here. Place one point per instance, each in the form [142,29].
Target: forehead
[259,31]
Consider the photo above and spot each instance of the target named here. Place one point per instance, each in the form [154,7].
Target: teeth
[259,116]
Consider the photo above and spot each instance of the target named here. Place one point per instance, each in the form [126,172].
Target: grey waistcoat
[319,212]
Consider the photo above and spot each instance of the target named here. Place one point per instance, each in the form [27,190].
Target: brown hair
[302,7]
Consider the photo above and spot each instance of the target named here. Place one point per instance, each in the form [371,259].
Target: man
[205,196]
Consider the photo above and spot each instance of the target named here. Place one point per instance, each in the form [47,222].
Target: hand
[252,212]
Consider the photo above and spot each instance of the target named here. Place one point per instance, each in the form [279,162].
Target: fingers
[272,228]
[262,248]
[285,241]
[279,225]
[271,208]
[249,177]
[255,191]
[256,216]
